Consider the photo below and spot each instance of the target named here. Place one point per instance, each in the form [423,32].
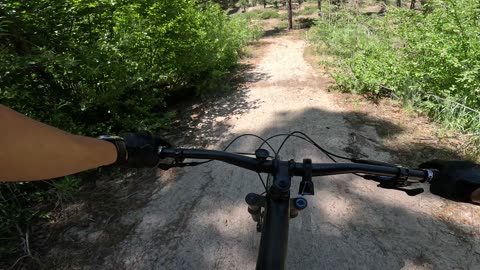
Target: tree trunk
[399,3]
[290,15]
[319,4]
[412,4]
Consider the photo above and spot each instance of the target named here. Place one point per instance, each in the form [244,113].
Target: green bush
[269,14]
[104,67]
[263,14]
[307,10]
[27,202]
[99,67]
[430,59]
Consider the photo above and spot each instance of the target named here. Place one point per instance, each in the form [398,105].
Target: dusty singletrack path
[199,220]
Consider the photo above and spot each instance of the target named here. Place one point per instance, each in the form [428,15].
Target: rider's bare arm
[30,150]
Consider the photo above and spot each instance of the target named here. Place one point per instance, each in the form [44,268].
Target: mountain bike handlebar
[261,164]
[273,211]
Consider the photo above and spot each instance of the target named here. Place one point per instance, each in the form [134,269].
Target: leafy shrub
[97,67]
[430,60]
[267,14]
[307,10]
[104,67]
[263,14]
[26,202]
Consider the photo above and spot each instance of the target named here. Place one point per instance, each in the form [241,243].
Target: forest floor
[196,218]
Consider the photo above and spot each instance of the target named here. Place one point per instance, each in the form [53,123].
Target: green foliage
[99,67]
[225,4]
[263,14]
[244,4]
[65,188]
[307,10]
[24,202]
[431,60]
[269,14]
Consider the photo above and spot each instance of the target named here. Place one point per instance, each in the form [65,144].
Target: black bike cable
[263,142]
[354,160]
[321,148]
[283,143]
[263,182]
[252,135]
[311,141]
[279,135]
[192,164]
[327,153]
[306,138]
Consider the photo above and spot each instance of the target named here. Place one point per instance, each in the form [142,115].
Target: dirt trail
[199,220]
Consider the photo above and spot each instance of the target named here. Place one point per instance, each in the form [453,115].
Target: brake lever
[412,192]
[176,162]
[409,192]
[392,183]
[167,166]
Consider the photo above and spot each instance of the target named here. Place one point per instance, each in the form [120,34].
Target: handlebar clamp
[402,176]
[430,176]
[306,186]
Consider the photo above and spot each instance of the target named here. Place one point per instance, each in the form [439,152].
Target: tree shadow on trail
[233,10]
[304,23]
[350,223]
[94,221]
[411,153]
[276,31]
[300,23]
[201,120]
[199,220]
[103,216]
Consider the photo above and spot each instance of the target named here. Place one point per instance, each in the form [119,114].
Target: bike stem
[274,240]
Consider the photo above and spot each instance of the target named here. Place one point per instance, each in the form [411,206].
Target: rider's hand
[142,149]
[457,180]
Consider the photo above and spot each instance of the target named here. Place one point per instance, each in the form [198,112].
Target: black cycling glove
[456,180]
[142,149]
[137,150]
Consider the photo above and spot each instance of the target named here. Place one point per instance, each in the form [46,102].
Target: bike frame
[276,218]
[274,240]
[272,252]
